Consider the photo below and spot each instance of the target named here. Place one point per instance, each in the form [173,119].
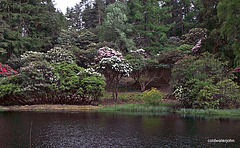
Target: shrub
[9,85]
[74,80]
[92,88]
[84,58]
[25,58]
[106,52]
[68,79]
[152,97]
[204,82]
[114,67]
[143,69]
[194,36]
[6,71]
[60,54]
[185,48]
[38,79]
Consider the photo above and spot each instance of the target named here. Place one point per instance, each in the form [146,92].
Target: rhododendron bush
[40,82]
[6,70]
[204,82]
[107,52]
[113,66]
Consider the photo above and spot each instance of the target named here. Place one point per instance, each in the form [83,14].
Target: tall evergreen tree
[182,16]
[148,17]
[33,25]
[206,13]
[229,15]
[3,28]
[116,27]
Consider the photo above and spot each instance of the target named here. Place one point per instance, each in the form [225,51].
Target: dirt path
[47,107]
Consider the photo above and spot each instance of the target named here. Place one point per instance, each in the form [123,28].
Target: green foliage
[144,69]
[9,85]
[116,28]
[203,82]
[185,48]
[25,58]
[152,97]
[84,58]
[92,87]
[169,58]
[3,28]
[32,25]
[85,39]
[68,80]
[228,13]
[228,94]
[149,26]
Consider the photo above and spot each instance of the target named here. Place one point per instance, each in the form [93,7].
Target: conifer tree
[33,25]
[229,15]
[148,17]
[116,27]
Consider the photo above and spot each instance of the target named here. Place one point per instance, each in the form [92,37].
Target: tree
[182,18]
[3,28]
[114,67]
[32,25]
[229,13]
[144,69]
[148,18]
[115,27]
[206,14]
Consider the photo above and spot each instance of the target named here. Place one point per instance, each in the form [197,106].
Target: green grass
[211,112]
[137,108]
[1,108]
[164,107]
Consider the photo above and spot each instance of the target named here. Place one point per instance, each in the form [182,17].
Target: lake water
[107,130]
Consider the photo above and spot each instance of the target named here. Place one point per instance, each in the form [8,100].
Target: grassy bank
[211,112]
[138,108]
[164,107]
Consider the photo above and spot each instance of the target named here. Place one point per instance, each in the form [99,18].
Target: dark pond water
[92,129]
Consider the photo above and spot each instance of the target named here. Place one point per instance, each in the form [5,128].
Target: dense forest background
[35,25]
[151,35]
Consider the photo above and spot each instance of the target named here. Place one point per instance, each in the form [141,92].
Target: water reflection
[92,129]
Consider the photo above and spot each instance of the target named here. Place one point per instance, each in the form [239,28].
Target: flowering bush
[38,78]
[152,97]
[106,52]
[90,72]
[194,36]
[113,66]
[6,70]
[25,58]
[139,52]
[197,46]
[59,54]
[203,82]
